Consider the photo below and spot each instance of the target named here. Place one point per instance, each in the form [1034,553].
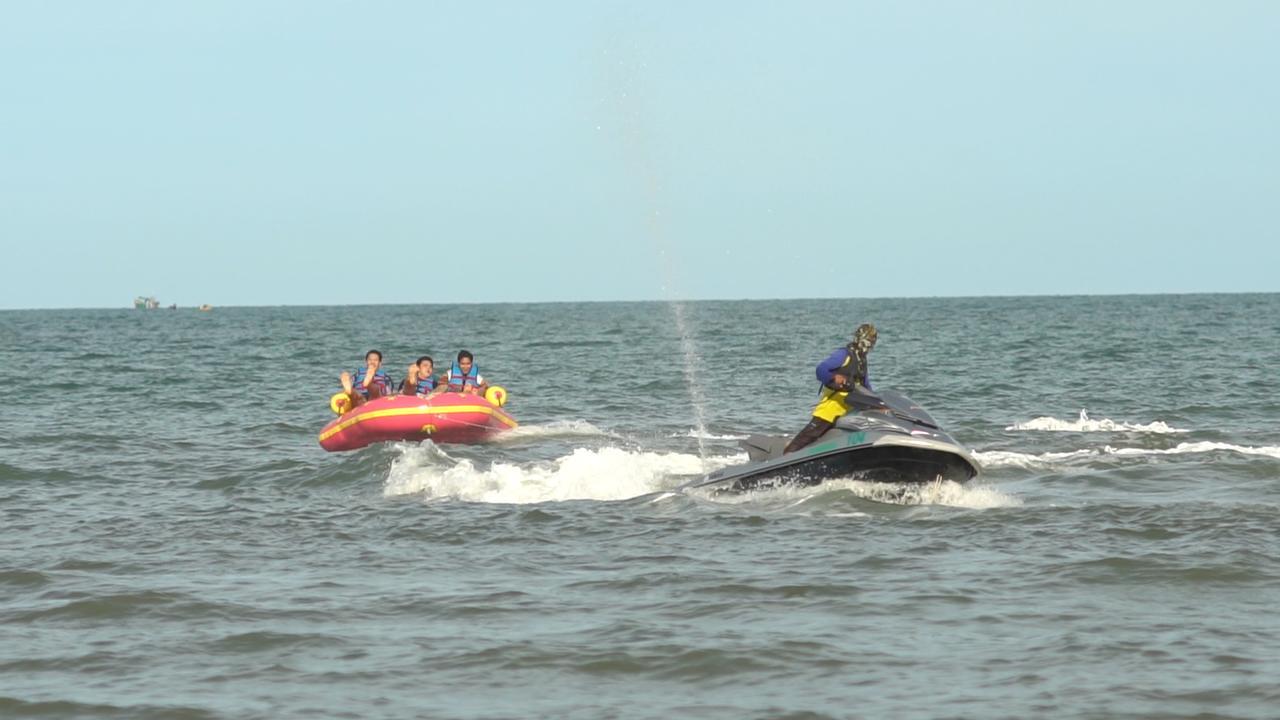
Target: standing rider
[845,369]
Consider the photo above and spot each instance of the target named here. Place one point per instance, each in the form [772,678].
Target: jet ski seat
[764,447]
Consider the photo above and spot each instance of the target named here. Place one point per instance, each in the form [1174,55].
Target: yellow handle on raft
[340,403]
[496,395]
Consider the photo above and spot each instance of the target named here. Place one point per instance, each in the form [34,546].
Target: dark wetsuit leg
[808,434]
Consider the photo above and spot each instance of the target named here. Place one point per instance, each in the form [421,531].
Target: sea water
[175,544]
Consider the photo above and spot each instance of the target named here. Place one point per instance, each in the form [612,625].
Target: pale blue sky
[244,153]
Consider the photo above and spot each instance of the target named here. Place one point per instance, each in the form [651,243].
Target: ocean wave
[1001,458]
[1197,447]
[128,605]
[15,707]
[1005,458]
[269,640]
[947,492]
[693,433]
[15,474]
[1084,423]
[23,578]
[604,474]
[559,428]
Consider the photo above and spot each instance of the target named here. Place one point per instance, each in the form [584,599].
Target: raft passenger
[464,376]
[369,382]
[421,380]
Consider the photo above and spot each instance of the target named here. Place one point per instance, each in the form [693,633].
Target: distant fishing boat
[145,303]
[206,307]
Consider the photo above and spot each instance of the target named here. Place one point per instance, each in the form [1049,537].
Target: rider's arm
[826,369]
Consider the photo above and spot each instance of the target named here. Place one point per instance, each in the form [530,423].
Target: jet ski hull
[898,465]
[894,442]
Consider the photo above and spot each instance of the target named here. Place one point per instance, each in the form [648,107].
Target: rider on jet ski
[844,370]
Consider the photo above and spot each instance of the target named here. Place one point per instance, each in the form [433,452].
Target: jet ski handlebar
[860,398]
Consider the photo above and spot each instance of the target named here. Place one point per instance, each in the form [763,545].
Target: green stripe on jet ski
[854,438]
[902,446]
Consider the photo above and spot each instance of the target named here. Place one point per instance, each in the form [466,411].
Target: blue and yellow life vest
[426,385]
[855,367]
[379,378]
[459,380]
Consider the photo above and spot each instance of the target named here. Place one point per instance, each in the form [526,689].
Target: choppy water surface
[176,544]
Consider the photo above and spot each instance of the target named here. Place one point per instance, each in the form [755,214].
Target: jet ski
[884,438]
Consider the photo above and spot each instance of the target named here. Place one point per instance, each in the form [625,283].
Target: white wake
[1084,423]
[708,435]
[559,428]
[947,493]
[1001,458]
[605,474]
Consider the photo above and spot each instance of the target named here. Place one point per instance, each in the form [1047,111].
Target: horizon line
[667,300]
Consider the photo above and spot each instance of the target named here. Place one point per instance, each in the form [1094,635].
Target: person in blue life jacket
[464,376]
[421,380]
[842,371]
[367,383]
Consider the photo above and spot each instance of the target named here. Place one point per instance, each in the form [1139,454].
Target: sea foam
[1084,423]
[1197,447]
[1005,458]
[559,428]
[585,474]
[1001,458]
[693,433]
[946,492]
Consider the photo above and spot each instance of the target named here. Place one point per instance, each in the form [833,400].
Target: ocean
[177,545]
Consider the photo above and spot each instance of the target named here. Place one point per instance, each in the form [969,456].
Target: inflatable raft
[444,418]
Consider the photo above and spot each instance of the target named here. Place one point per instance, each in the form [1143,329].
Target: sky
[313,153]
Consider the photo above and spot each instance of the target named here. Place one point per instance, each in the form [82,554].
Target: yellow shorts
[831,406]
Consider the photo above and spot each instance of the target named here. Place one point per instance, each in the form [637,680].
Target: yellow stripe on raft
[419,410]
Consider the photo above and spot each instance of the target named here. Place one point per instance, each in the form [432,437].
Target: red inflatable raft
[444,418]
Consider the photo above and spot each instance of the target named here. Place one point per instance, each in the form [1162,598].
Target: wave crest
[605,474]
[1003,458]
[947,493]
[696,435]
[559,428]
[1084,423]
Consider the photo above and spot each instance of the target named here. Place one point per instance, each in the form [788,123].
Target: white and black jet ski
[884,438]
